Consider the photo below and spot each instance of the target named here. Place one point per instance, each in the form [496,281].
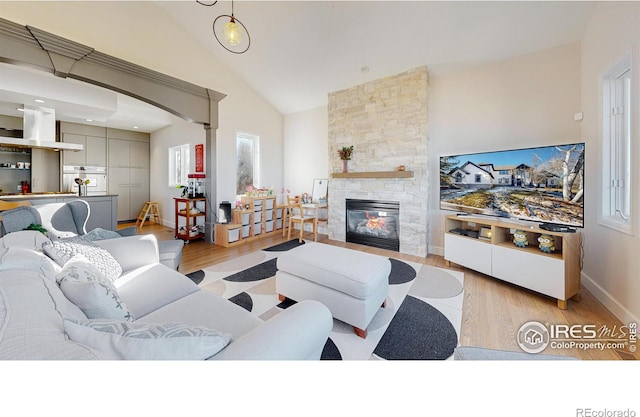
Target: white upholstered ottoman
[352,284]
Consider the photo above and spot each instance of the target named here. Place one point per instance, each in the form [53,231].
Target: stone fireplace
[386,121]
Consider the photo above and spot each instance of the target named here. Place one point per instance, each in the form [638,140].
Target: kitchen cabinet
[128,153]
[45,170]
[118,183]
[94,153]
[128,170]
[132,185]
[92,138]
[13,169]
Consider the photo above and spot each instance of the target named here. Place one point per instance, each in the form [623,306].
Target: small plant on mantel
[345,152]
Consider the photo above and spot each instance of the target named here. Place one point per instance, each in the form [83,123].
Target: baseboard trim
[608,300]
[436,250]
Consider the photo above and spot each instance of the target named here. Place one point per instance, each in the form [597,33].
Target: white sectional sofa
[167,315]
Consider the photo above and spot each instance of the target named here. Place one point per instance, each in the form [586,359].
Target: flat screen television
[543,184]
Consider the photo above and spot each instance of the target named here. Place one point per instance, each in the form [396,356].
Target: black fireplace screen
[373,223]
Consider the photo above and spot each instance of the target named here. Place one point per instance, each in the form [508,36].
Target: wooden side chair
[322,216]
[297,215]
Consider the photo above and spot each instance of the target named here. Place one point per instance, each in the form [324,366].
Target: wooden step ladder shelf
[150,210]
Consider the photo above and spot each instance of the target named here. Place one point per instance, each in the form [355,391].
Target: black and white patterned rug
[421,319]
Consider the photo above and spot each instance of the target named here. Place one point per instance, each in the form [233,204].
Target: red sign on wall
[200,158]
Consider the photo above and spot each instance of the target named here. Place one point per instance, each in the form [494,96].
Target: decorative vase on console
[345,156]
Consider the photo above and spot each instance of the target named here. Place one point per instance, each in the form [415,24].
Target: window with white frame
[616,152]
[179,165]
[247,162]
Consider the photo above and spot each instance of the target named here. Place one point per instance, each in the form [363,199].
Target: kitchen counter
[104,208]
[28,196]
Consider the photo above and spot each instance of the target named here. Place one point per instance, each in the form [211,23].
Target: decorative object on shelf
[520,238]
[345,155]
[345,152]
[485,233]
[231,35]
[26,187]
[82,186]
[546,243]
[185,190]
[402,168]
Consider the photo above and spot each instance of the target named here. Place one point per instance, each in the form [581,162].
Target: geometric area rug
[421,319]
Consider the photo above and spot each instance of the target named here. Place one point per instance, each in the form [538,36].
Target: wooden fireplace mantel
[375,174]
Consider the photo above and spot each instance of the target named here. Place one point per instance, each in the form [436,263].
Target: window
[616,142]
[247,162]
[478,178]
[179,165]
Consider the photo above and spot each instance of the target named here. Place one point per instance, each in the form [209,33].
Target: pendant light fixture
[231,33]
[207,3]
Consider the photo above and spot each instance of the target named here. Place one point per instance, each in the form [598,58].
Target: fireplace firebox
[373,223]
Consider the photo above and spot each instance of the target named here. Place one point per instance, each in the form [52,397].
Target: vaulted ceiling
[303,50]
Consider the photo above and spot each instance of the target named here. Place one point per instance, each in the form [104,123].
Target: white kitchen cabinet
[128,170]
[119,183]
[93,140]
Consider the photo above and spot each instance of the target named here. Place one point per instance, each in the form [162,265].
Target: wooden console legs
[562,304]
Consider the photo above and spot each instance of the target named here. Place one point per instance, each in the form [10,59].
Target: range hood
[39,131]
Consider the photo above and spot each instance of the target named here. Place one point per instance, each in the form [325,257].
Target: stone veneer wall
[386,122]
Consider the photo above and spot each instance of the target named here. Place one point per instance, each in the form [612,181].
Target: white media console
[490,249]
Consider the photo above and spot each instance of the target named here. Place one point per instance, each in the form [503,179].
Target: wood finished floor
[493,310]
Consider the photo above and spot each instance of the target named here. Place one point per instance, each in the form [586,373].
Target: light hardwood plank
[493,310]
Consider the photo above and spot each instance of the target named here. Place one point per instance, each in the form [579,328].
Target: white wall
[611,261]
[305,149]
[179,133]
[144,34]
[517,103]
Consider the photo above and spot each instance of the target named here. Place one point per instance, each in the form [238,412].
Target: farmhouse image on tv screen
[544,184]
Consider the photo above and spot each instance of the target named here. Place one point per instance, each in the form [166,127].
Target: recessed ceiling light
[38,100]
[20,109]
[89,120]
[135,127]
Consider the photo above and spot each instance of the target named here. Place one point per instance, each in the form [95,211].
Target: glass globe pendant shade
[232,32]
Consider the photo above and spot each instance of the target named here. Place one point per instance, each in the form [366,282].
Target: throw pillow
[16,257]
[145,341]
[64,249]
[99,234]
[28,239]
[86,287]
